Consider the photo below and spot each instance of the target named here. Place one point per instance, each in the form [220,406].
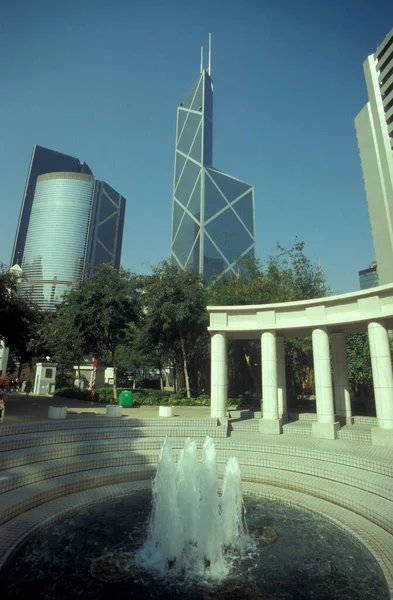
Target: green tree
[175,305]
[63,337]
[132,355]
[19,319]
[94,318]
[17,313]
[288,276]
[359,363]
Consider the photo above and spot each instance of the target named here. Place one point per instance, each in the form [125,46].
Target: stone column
[219,375]
[270,422]
[381,364]
[281,380]
[342,398]
[325,427]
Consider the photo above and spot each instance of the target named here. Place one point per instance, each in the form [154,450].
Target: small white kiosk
[45,379]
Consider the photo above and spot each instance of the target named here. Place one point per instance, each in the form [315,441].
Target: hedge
[140,396]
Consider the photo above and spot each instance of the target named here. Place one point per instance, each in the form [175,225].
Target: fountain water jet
[192,529]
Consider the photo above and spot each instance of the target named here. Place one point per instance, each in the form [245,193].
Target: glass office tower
[56,241]
[42,161]
[72,221]
[106,226]
[213,222]
[368,278]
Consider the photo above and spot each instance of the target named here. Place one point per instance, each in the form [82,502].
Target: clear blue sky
[101,81]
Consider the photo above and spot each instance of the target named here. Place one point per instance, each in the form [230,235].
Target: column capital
[376,323]
[266,331]
[322,328]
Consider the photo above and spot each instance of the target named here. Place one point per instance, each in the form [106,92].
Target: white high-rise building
[374,130]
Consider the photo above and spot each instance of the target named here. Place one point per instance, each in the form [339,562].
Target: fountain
[193,532]
[193,544]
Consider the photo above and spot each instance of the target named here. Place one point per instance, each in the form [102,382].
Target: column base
[270,426]
[284,418]
[218,414]
[325,431]
[223,422]
[382,437]
[344,420]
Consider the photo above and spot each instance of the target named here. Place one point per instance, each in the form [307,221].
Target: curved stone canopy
[326,320]
[346,313]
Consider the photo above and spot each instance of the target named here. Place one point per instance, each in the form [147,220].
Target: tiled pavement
[50,468]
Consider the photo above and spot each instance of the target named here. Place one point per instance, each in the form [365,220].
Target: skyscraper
[73,221]
[374,129]
[368,278]
[213,222]
[42,161]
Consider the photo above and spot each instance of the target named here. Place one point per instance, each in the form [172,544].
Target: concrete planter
[113,411]
[165,411]
[57,412]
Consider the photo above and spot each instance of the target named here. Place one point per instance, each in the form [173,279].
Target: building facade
[374,129]
[213,220]
[43,160]
[106,226]
[55,249]
[72,222]
[368,278]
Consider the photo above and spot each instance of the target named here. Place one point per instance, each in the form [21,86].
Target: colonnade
[333,403]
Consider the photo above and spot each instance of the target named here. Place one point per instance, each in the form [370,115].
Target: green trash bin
[125,398]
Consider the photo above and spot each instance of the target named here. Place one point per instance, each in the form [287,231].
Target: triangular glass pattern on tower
[188,133]
[213,212]
[216,199]
[244,209]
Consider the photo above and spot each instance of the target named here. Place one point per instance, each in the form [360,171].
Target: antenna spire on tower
[201,59]
[209,68]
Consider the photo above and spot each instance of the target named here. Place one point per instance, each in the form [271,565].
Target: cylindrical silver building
[55,250]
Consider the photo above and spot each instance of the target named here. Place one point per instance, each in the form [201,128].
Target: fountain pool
[192,544]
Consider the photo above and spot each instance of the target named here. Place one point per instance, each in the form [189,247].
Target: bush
[73,392]
[233,401]
[145,397]
[248,400]
[203,400]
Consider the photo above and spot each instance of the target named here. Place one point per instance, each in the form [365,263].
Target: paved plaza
[20,407]
[52,468]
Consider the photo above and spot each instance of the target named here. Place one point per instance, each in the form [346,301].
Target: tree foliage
[175,316]
[19,319]
[17,313]
[359,363]
[94,318]
[288,276]
[160,320]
